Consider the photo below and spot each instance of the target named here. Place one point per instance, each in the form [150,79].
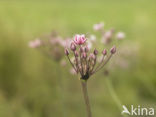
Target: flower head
[79,39]
[85,61]
[50,45]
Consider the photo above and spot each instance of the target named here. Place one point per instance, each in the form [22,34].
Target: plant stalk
[86,98]
[114,95]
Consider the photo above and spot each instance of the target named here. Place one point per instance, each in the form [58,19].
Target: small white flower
[120,35]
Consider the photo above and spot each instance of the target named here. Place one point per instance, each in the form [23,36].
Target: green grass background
[33,86]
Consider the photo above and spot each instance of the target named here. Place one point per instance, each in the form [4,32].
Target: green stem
[114,96]
[86,98]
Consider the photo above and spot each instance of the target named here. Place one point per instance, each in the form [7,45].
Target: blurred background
[33,86]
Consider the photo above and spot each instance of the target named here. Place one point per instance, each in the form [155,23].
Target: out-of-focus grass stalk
[60,88]
[86,98]
[114,95]
[61,94]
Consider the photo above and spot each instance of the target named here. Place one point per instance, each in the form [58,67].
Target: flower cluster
[51,45]
[108,35]
[85,61]
[83,49]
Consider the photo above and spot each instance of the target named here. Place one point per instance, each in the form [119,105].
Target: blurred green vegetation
[33,86]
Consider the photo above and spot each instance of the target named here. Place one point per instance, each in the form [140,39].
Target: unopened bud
[92,56]
[72,47]
[84,55]
[113,50]
[66,51]
[86,49]
[104,52]
[95,52]
[76,54]
[81,49]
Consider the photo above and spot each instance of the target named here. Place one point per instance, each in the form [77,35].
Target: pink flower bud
[86,49]
[79,39]
[76,54]
[113,50]
[84,55]
[66,52]
[104,52]
[92,56]
[72,47]
[95,52]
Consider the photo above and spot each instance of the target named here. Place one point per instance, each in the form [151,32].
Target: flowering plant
[85,62]
[84,59]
